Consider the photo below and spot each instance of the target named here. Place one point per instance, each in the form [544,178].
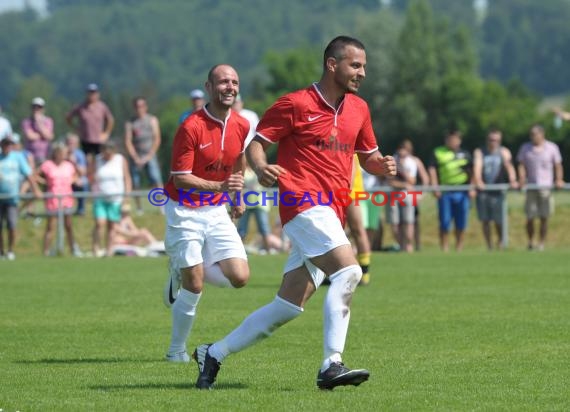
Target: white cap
[38,101]
[197,94]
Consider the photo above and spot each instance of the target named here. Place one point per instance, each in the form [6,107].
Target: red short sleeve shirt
[208,148]
[316,146]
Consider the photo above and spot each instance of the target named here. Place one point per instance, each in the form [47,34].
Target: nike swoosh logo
[311,118]
[171,298]
[203,146]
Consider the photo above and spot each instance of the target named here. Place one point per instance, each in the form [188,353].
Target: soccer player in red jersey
[318,130]
[202,242]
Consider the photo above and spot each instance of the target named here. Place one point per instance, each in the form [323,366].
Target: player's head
[345,60]
[238,104]
[494,137]
[537,134]
[222,86]
[140,105]
[453,139]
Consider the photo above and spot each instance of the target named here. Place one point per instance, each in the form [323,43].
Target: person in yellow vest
[354,218]
[451,165]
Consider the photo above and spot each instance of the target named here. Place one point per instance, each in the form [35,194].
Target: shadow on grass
[178,385]
[51,361]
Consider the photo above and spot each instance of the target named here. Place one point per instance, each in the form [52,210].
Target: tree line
[431,64]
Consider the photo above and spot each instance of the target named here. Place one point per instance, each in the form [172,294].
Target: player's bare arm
[478,169]
[267,174]
[238,210]
[189,181]
[376,164]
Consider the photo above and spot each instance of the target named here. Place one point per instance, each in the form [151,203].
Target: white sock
[213,275]
[337,312]
[183,313]
[259,325]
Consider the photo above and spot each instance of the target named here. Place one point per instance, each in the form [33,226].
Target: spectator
[110,179]
[354,217]
[402,216]
[5,126]
[256,206]
[142,139]
[492,164]
[77,157]
[451,165]
[130,239]
[540,163]
[371,213]
[95,122]
[197,101]
[38,131]
[13,167]
[250,115]
[59,175]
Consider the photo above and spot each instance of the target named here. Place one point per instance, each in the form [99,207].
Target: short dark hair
[138,99]
[336,47]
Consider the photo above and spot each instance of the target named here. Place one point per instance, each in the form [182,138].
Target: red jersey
[208,148]
[316,146]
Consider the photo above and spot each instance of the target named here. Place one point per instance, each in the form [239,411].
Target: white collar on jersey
[211,116]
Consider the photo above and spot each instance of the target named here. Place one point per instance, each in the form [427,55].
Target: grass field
[475,331]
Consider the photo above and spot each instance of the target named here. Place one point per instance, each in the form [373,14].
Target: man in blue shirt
[13,166]
[197,98]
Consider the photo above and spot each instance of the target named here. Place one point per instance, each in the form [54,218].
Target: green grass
[471,331]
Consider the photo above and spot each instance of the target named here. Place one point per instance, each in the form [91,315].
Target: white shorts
[313,232]
[200,235]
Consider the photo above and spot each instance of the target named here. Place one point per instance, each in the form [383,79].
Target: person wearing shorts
[59,175]
[401,213]
[142,140]
[111,180]
[540,163]
[332,123]
[201,240]
[94,122]
[451,165]
[13,167]
[492,164]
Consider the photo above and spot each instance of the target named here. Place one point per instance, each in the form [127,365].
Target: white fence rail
[504,188]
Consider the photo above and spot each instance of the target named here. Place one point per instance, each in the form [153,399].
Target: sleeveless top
[109,177]
[493,167]
[142,134]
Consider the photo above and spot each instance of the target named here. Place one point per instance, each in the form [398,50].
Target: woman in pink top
[58,174]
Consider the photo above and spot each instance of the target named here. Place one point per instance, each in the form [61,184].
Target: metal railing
[503,188]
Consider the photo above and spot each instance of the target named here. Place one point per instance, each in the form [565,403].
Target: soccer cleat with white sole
[179,357]
[172,286]
[339,375]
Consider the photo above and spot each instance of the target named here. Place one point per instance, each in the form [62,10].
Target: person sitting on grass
[128,238]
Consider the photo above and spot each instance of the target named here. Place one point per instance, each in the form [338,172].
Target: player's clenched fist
[389,166]
[233,183]
[267,175]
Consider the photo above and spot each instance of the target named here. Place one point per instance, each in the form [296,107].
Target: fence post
[60,234]
[505,220]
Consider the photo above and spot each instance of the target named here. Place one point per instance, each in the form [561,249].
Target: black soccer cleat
[208,367]
[339,375]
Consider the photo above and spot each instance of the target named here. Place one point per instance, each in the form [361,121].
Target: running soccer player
[201,240]
[318,130]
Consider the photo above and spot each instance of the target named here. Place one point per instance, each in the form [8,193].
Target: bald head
[222,86]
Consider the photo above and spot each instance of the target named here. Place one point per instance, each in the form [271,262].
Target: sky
[7,5]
